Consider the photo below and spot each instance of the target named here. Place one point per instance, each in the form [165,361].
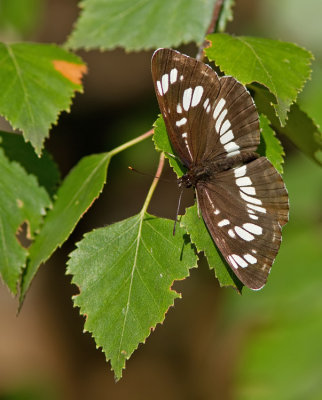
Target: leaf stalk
[154,184]
[131,143]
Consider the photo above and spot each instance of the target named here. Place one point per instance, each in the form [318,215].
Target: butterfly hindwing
[244,210]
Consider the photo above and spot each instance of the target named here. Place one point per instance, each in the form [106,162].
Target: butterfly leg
[172,155]
[198,206]
[178,209]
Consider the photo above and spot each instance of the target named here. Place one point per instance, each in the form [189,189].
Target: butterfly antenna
[138,172]
[149,175]
[178,208]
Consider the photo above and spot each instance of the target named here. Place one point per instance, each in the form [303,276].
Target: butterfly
[213,127]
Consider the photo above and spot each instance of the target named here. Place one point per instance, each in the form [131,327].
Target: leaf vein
[261,63]
[130,288]
[25,92]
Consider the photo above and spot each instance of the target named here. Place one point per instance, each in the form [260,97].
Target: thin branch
[154,183]
[211,28]
[131,142]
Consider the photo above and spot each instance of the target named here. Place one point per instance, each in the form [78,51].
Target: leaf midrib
[131,283]
[18,70]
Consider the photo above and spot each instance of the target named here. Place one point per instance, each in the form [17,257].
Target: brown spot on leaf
[23,235]
[71,71]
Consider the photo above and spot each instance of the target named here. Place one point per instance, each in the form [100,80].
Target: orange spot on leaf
[71,71]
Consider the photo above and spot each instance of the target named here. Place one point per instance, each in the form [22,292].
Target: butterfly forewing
[193,99]
[213,127]
[181,83]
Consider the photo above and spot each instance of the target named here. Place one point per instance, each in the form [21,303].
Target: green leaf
[310,99]
[226,15]
[125,272]
[162,143]
[21,201]
[19,17]
[270,146]
[138,25]
[76,194]
[300,128]
[37,82]
[44,168]
[280,66]
[201,238]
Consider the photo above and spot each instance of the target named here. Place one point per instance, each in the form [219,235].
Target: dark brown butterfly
[214,129]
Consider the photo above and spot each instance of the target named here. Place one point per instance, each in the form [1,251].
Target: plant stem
[154,184]
[211,28]
[131,143]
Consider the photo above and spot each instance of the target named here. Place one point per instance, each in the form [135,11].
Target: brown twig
[211,28]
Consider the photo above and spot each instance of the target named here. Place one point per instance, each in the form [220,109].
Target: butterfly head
[186,181]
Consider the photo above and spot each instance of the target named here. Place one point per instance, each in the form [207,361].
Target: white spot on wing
[223,222]
[244,181]
[241,171]
[231,147]
[226,125]
[227,137]
[173,75]
[210,201]
[256,208]
[239,260]
[216,212]
[230,258]
[220,119]
[219,107]
[181,122]
[248,190]
[253,216]
[206,103]
[187,99]
[233,153]
[159,88]
[184,135]
[179,109]
[165,83]
[197,93]
[251,259]
[256,229]
[208,109]
[231,233]
[252,200]
[244,234]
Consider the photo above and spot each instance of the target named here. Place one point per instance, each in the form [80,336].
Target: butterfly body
[213,127]
[206,171]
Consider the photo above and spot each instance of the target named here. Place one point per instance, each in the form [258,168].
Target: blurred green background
[214,343]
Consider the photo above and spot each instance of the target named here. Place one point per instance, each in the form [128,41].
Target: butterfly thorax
[207,170]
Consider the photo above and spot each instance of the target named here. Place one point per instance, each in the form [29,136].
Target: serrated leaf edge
[176,295]
[205,252]
[298,91]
